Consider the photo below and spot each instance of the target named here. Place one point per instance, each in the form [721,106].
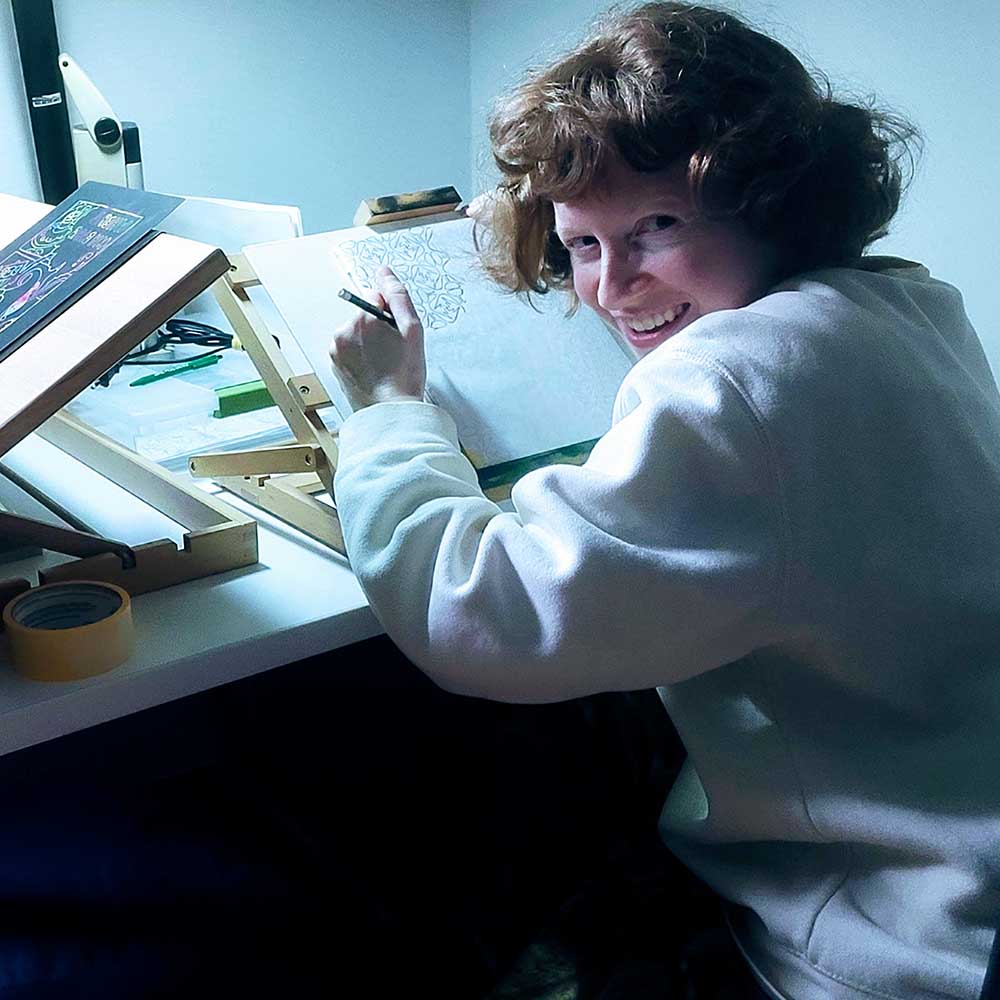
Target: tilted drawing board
[73,351]
[526,384]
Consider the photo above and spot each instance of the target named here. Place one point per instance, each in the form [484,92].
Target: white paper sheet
[518,380]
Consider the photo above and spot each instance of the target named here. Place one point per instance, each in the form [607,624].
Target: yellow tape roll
[67,631]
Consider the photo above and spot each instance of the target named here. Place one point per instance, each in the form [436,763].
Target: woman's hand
[374,362]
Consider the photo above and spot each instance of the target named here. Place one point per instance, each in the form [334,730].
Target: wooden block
[241,274]
[304,482]
[310,390]
[389,208]
[161,564]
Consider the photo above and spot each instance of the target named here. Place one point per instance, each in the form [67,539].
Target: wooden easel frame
[286,480]
[71,353]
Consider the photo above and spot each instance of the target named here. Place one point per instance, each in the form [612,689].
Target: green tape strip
[509,472]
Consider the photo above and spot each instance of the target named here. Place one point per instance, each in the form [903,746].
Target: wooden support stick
[65,540]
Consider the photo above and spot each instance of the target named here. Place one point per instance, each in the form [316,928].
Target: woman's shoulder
[820,333]
[869,299]
[878,296]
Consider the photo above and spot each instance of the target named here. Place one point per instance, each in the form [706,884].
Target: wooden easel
[66,357]
[286,480]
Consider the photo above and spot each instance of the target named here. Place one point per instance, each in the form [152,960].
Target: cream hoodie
[793,531]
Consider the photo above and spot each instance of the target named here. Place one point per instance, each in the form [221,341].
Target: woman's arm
[658,559]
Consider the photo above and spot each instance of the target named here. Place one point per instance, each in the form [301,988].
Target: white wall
[322,102]
[17,165]
[935,63]
[316,103]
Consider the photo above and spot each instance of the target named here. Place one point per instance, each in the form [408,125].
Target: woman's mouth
[647,331]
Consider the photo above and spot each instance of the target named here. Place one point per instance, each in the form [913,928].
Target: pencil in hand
[361,303]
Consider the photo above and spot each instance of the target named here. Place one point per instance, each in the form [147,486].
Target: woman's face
[645,261]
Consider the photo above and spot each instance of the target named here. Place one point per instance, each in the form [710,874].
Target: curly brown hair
[765,142]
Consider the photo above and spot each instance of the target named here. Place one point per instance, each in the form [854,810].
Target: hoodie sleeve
[660,558]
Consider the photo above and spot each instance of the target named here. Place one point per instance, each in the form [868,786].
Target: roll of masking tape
[67,631]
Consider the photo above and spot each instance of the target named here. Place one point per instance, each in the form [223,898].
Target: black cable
[178,331]
[188,331]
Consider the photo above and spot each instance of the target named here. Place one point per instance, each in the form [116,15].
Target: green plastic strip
[242,398]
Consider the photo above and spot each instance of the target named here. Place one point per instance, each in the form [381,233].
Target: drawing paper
[517,379]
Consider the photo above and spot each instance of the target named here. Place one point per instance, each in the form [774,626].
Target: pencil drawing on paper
[420,264]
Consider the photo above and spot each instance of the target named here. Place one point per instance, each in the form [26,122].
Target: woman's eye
[656,223]
[580,244]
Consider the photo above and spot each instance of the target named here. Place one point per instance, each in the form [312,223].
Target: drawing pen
[356,300]
[210,359]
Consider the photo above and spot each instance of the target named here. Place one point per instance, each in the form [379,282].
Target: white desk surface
[300,600]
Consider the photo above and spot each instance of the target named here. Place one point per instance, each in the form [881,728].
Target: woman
[789,529]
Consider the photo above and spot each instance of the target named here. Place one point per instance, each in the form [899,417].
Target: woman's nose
[619,282]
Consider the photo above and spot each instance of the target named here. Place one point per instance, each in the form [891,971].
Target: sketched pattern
[419,264]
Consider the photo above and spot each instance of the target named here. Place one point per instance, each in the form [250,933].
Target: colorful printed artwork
[419,263]
[49,258]
[69,248]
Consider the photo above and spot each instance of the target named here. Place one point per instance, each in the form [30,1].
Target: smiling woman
[789,530]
